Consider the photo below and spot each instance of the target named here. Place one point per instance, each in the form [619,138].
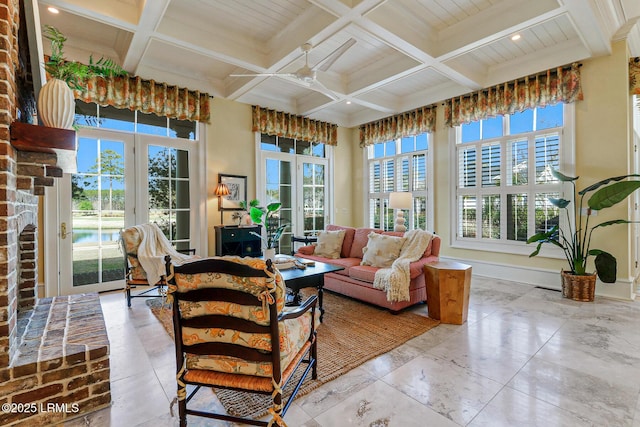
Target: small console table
[448,286]
[234,240]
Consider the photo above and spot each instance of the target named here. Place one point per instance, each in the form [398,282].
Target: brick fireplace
[54,352]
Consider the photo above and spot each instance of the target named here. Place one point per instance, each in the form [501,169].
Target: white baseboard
[623,289]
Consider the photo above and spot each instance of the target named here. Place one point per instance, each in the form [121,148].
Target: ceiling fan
[307,74]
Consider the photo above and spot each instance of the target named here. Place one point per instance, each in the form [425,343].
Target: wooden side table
[448,285]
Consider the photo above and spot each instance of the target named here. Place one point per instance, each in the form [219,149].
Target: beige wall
[230,150]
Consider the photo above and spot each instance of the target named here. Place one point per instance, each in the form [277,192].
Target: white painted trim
[50,242]
[545,278]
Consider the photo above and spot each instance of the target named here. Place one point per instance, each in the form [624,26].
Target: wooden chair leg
[182,412]
[128,292]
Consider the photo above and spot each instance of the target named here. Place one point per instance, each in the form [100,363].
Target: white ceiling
[408,53]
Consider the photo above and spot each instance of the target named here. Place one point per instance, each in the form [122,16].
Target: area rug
[351,334]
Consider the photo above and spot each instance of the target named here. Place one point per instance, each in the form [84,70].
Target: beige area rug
[351,334]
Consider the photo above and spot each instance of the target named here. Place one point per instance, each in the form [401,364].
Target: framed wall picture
[237,185]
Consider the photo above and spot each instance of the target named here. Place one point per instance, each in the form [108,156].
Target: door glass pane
[169,197]
[313,197]
[279,189]
[97,192]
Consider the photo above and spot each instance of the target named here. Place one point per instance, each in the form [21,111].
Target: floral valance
[413,122]
[634,76]
[561,84]
[147,96]
[288,125]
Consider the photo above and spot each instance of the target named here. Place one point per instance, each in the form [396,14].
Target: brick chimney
[54,352]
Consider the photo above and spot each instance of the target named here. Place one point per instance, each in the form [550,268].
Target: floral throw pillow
[382,250]
[329,243]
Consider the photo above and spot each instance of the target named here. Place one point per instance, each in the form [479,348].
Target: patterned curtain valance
[288,125]
[562,84]
[147,96]
[414,122]
[634,76]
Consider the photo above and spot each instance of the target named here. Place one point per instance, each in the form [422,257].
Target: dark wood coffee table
[310,277]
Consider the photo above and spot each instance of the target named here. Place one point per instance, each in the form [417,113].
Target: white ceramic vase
[270,254]
[56,104]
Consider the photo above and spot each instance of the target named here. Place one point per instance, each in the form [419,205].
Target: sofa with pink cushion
[356,280]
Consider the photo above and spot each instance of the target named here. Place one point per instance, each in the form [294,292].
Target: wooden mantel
[42,139]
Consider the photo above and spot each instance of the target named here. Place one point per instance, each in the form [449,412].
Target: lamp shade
[222,190]
[400,200]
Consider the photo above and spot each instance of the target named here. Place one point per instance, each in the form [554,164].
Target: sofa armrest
[416,267]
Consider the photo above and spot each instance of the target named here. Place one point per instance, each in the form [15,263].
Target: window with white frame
[503,177]
[399,165]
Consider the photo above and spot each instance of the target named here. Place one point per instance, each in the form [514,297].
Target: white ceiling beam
[492,24]
[590,26]
[150,18]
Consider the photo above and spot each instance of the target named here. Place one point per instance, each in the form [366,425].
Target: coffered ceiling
[408,53]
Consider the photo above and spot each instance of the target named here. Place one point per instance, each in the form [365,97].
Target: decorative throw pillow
[382,250]
[329,244]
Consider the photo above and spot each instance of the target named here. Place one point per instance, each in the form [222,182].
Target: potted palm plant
[575,239]
[56,104]
[271,222]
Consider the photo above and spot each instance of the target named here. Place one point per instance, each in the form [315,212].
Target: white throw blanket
[395,280]
[154,246]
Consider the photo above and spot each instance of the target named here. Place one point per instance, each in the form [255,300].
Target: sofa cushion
[366,273]
[306,250]
[329,243]
[360,240]
[382,250]
[427,252]
[349,232]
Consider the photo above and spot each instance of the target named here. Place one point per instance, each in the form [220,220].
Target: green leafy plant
[271,222]
[72,72]
[575,241]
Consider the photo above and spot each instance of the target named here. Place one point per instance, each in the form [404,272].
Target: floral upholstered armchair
[227,313]
[153,278]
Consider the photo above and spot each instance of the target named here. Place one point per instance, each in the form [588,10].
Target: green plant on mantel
[73,72]
[575,240]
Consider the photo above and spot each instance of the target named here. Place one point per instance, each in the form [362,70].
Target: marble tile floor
[525,357]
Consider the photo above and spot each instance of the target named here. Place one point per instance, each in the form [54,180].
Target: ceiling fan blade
[263,75]
[327,62]
[323,89]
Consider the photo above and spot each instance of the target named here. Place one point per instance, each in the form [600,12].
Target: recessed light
[515,37]
[348,102]
[53,10]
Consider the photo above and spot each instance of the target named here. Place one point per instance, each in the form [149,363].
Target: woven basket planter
[578,288]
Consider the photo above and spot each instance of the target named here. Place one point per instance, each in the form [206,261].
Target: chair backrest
[130,240]
[225,315]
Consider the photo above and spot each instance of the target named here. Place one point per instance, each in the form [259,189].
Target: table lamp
[399,201]
[221,191]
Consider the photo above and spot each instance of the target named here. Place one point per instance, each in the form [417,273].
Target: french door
[301,185]
[123,179]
